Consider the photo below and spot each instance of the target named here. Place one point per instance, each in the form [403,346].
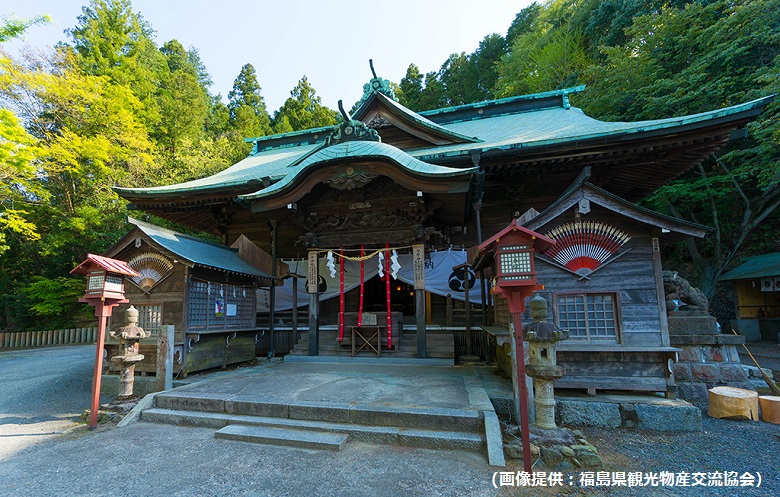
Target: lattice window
[150,317]
[197,312]
[590,317]
[217,306]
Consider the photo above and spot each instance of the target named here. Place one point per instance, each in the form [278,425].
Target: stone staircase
[440,344]
[323,425]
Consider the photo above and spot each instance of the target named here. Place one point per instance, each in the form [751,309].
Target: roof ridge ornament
[350,130]
[376,85]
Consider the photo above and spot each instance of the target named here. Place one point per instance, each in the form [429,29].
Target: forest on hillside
[109,106]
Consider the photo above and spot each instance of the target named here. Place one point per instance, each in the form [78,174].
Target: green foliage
[411,88]
[461,79]
[248,114]
[56,300]
[303,110]
[13,27]
[691,58]
[546,52]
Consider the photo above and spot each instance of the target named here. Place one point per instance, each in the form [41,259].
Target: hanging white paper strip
[394,265]
[381,270]
[331,264]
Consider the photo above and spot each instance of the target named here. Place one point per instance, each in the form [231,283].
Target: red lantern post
[105,290]
[513,249]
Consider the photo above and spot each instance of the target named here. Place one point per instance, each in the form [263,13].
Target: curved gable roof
[360,150]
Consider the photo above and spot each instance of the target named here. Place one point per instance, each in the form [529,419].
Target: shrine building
[376,215]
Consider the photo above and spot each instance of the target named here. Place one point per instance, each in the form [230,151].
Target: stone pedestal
[707,358]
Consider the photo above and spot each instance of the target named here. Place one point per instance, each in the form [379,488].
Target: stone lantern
[542,363]
[128,337]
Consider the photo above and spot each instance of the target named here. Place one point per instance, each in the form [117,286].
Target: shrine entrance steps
[324,406]
[440,345]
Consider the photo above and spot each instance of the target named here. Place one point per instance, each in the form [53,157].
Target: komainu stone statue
[682,296]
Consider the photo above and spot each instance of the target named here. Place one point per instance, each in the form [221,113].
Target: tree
[16,154]
[248,114]
[111,40]
[484,63]
[433,94]
[87,139]
[411,88]
[458,79]
[182,101]
[689,59]
[303,110]
[538,62]
[523,23]
[11,28]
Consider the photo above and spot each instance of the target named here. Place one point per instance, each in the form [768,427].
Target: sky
[329,41]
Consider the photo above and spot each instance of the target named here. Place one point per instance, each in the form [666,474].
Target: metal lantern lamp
[105,290]
[512,250]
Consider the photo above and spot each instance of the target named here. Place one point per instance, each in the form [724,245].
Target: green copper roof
[558,125]
[356,150]
[504,126]
[415,118]
[199,252]
[272,164]
[509,105]
[756,267]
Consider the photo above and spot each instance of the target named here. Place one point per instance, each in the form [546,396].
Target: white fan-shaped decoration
[582,247]
[152,268]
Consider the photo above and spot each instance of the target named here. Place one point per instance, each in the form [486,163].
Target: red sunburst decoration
[582,247]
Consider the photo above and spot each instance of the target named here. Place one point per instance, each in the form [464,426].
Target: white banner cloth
[440,279]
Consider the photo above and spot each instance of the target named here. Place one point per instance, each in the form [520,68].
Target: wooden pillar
[295,310]
[659,291]
[272,303]
[418,252]
[314,305]
[467,302]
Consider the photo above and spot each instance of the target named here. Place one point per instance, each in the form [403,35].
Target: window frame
[201,311]
[617,338]
[143,323]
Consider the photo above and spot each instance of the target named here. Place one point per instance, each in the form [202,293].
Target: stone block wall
[706,359]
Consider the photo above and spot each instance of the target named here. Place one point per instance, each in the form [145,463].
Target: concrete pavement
[42,393]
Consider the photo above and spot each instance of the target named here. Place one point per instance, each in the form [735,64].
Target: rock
[577,433]
[579,450]
[513,451]
[567,451]
[595,414]
[556,436]
[695,393]
[565,466]
[668,418]
[754,372]
[590,460]
[534,450]
[551,457]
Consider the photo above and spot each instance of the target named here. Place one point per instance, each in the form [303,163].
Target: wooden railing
[27,339]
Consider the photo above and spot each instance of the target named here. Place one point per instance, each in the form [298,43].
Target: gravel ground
[722,445]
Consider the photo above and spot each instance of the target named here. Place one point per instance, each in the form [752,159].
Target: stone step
[393,435]
[283,436]
[424,418]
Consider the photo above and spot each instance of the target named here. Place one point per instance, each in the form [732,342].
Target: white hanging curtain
[440,279]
